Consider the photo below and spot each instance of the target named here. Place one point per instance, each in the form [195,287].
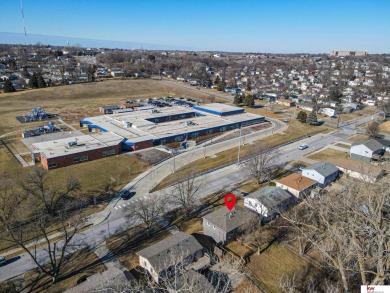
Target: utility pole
[108,225]
[239,146]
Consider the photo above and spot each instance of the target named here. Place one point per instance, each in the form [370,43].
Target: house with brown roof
[297,184]
[358,169]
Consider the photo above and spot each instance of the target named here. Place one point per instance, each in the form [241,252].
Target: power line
[24,23]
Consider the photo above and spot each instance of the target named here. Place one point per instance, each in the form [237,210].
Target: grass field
[295,130]
[327,154]
[357,137]
[342,145]
[274,263]
[74,102]
[385,127]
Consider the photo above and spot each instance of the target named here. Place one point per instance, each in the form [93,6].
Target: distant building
[74,150]
[348,53]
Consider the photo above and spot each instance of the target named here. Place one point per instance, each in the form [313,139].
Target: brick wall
[67,160]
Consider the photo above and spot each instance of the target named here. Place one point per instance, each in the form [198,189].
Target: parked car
[3,261]
[303,146]
[127,194]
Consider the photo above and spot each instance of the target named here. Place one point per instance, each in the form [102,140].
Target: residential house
[306,106]
[297,184]
[322,172]
[385,143]
[268,201]
[186,281]
[358,169]
[285,102]
[366,151]
[223,225]
[117,73]
[108,109]
[331,112]
[180,249]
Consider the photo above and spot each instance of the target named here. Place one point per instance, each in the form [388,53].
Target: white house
[358,169]
[367,150]
[322,172]
[331,112]
[268,201]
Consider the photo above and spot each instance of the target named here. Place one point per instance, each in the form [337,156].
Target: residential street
[214,181]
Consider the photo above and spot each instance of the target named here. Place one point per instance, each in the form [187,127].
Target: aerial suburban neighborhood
[179,169]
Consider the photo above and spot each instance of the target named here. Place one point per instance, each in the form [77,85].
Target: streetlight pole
[239,146]
[108,225]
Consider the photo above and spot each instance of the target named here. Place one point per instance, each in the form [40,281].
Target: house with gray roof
[367,151]
[178,250]
[268,201]
[223,225]
[322,172]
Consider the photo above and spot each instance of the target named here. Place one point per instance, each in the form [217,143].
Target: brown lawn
[327,154]
[74,102]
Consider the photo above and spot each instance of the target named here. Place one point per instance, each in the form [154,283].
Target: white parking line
[123,205]
[120,207]
[116,208]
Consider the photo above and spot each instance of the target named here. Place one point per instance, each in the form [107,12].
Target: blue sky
[277,26]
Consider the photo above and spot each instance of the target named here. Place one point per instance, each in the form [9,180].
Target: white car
[303,146]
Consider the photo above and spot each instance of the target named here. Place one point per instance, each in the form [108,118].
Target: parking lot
[169,102]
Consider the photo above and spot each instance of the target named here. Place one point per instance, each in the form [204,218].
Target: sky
[273,26]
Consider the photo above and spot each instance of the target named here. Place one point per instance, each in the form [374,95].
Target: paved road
[215,181]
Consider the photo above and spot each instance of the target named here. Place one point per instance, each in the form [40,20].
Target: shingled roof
[229,220]
[372,144]
[357,166]
[297,181]
[171,250]
[324,168]
[270,196]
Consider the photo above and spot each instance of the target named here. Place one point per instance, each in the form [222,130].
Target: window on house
[52,164]
[179,138]
[84,158]
[112,152]
[195,135]
[224,128]
[76,159]
[210,131]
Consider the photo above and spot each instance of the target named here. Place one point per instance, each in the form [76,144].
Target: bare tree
[147,212]
[38,185]
[184,193]
[33,233]
[263,165]
[373,129]
[351,231]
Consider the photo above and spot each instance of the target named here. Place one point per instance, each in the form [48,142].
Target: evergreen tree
[33,81]
[25,73]
[249,85]
[237,100]
[8,86]
[249,101]
[312,117]
[217,80]
[302,116]
[41,82]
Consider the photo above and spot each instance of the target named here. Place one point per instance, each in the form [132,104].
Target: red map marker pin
[230,201]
